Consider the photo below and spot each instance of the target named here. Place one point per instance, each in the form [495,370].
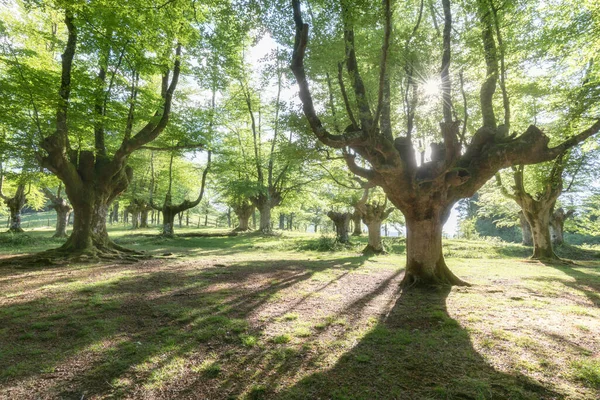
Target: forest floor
[254,317]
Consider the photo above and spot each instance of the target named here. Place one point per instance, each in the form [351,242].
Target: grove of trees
[319,113]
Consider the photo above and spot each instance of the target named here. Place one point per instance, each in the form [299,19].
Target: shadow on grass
[416,352]
[93,338]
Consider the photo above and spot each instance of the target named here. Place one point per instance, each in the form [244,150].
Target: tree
[127,48]
[424,192]
[373,214]
[169,209]
[62,208]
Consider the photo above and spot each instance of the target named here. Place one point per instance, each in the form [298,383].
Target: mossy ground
[253,317]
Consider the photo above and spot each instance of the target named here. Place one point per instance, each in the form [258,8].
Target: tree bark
[62,220]
[425,264]
[89,235]
[15,204]
[373,216]
[557,224]
[115,212]
[341,222]
[357,223]
[168,222]
[243,211]
[281,221]
[539,219]
[265,218]
[525,230]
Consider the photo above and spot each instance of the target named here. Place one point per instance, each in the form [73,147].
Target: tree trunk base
[442,277]
[101,251]
[60,236]
[369,250]
[240,229]
[16,230]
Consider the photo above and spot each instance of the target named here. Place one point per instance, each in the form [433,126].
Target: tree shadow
[94,337]
[417,351]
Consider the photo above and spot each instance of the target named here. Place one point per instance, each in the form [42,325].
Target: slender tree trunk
[187,218]
[357,224]
[180,216]
[290,221]
[425,264]
[281,221]
[206,219]
[229,217]
[525,230]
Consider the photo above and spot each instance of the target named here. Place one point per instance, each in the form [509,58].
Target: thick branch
[300,41]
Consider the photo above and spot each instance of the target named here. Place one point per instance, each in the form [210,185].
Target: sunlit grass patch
[588,371]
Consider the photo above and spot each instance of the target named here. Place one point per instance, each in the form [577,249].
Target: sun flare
[431,87]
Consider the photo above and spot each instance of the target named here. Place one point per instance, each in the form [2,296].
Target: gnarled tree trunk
[341,222]
[425,264]
[373,216]
[15,204]
[539,220]
[525,230]
[557,224]
[243,211]
[62,219]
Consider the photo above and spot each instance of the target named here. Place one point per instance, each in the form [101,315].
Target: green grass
[253,317]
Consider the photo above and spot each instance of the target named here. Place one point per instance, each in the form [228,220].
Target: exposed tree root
[240,229]
[442,277]
[372,251]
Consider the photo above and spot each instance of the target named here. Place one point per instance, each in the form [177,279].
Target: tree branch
[297,66]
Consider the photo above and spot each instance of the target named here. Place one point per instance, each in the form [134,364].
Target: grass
[265,318]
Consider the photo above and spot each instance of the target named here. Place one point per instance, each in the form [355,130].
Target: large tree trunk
[89,226]
[539,220]
[265,218]
[341,222]
[425,264]
[356,221]
[243,211]
[525,230]
[168,222]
